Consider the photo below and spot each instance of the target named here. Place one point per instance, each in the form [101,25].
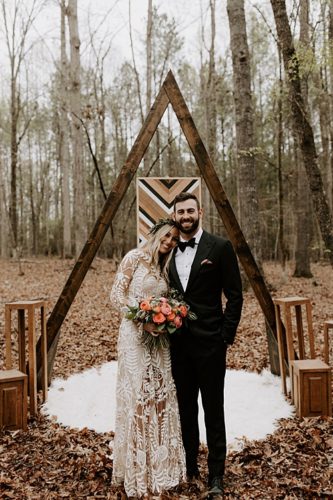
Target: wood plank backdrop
[155,197]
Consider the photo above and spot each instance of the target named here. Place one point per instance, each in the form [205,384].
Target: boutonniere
[206,261]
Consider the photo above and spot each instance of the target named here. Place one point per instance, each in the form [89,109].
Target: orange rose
[156,309]
[171,316]
[178,321]
[145,305]
[183,311]
[159,318]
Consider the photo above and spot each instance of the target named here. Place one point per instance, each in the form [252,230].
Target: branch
[133,59]
[26,126]
[101,185]
[266,23]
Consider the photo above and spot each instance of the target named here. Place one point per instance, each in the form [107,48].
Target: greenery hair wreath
[160,223]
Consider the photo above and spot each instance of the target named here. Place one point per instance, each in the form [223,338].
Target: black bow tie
[183,244]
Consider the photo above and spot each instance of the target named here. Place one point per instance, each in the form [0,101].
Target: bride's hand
[152,328]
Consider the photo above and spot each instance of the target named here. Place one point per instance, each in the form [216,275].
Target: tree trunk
[211,109]
[247,191]
[136,73]
[149,70]
[33,245]
[63,138]
[80,228]
[330,65]
[324,109]
[4,220]
[279,135]
[149,40]
[303,207]
[211,90]
[302,125]
[14,113]
[208,96]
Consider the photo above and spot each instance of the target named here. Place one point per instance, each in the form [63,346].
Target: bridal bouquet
[166,313]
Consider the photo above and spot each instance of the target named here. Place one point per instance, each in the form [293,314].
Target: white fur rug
[253,403]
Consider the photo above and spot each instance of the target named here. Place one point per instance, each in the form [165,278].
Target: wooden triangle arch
[169,93]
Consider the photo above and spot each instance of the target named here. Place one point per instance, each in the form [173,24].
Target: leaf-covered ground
[50,461]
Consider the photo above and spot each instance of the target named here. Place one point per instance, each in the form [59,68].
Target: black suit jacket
[214,270]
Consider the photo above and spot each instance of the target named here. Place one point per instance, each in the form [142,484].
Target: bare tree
[246,147]
[302,125]
[136,73]
[279,149]
[149,69]
[16,29]
[4,219]
[211,88]
[303,207]
[80,219]
[64,156]
[211,114]
[330,65]
[149,40]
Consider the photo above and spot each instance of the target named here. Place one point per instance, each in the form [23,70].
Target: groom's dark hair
[183,196]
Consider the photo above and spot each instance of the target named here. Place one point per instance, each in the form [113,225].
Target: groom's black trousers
[193,370]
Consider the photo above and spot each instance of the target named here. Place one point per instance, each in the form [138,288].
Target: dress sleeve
[123,278]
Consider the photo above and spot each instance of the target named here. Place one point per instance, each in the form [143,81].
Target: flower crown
[160,223]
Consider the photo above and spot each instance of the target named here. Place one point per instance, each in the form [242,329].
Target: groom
[202,267]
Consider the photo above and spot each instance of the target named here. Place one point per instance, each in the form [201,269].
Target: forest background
[78,78]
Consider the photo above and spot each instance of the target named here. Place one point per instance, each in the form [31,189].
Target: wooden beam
[102,224]
[226,212]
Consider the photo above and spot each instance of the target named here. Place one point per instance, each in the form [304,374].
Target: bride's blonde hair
[159,261]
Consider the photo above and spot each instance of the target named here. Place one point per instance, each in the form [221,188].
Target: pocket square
[206,261]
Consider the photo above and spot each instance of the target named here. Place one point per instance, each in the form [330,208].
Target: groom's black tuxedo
[198,351]
[214,270]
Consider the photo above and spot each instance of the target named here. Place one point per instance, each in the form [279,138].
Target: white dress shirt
[184,260]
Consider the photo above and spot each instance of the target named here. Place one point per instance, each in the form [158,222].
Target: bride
[148,455]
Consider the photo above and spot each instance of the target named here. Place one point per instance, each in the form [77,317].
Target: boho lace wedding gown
[148,453]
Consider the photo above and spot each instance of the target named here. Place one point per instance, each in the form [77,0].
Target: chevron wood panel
[155,197]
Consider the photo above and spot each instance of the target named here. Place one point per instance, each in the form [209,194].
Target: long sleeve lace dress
[148,455]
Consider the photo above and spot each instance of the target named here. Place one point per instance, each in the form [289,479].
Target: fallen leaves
[295,461]
[52,462]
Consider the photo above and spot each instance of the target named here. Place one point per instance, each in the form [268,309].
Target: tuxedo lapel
[174,274]
[204,247]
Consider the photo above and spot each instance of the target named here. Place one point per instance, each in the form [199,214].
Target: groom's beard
[190,229]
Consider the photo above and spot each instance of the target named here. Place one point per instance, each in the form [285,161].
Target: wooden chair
[310,378]
[312,388]
[284,308]
[30,306]
[13,400]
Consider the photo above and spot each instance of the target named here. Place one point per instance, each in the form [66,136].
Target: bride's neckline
[148,265]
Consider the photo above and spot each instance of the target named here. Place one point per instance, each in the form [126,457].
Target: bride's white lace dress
[148,453]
